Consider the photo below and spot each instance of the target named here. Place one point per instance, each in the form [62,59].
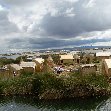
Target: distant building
[74,52]
[38,61]
[96,49]
[30,57]
[66,59]
[4,72]
[76,59]
[28,66]
[39,64]
[75,55]
[15,69]
[107,67]
[103,55]
[88,69]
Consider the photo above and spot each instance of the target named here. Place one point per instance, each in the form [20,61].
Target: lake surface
[10,57]
[32,104]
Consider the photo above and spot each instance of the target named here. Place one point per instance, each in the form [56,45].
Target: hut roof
[108,62]
[39,60]
[99,54]
[28,64]
[16,66]
[66,57]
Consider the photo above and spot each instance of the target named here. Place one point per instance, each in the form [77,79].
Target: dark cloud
[6,27]
[86,19]
[36,25]
[62,43]
[42,43]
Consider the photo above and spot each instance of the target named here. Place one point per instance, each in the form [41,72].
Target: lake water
[10,57]
[32,104]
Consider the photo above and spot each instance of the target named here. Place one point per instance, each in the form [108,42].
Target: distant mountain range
[77,48]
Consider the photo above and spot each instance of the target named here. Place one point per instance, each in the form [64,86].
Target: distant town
[60,62]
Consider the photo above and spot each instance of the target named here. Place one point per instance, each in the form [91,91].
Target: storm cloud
[48,23]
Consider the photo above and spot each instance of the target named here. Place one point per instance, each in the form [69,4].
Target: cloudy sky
[54,23]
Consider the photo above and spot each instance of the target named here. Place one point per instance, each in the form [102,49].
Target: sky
[42,24]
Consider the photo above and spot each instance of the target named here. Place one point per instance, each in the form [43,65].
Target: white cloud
[90,4]
[26,14]
[60,19]
[102,44]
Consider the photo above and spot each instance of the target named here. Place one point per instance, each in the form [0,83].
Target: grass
[43,83]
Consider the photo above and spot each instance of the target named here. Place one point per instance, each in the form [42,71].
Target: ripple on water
[17,107]
[104,106]
[32,104]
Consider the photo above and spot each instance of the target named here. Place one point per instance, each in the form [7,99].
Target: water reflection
[32,104]
[104,106]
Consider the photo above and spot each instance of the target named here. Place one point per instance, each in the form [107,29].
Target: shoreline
[51,95]
[48,86]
